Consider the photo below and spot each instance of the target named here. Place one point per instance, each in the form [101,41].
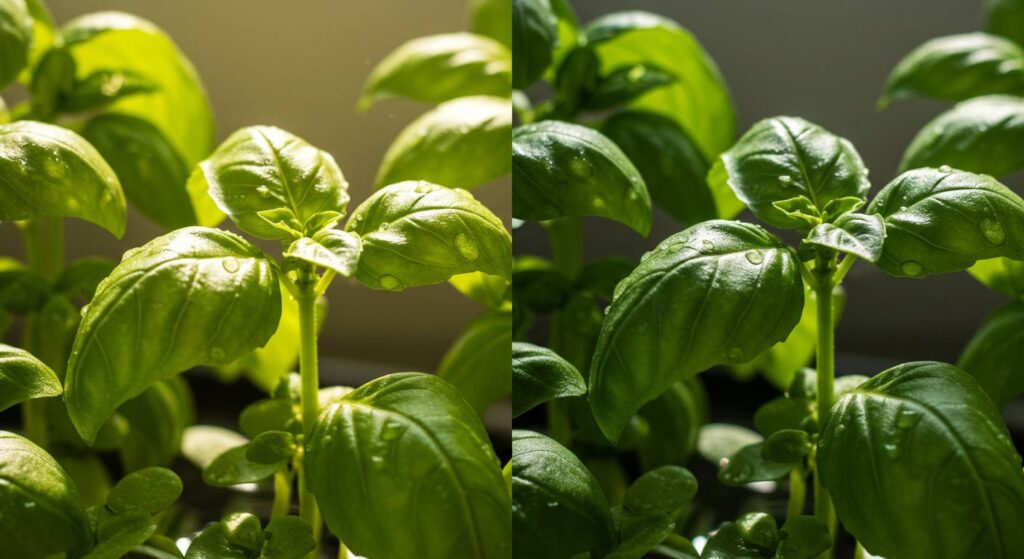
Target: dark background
[826,61]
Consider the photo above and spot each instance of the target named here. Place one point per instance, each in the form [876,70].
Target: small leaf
[117,534]
[233,468]
[786,446]
[271,447]
[213,543]
[722,440]
[149,490]
[540,375]
[416,233]
[650,510]
[748,465]
[103,87]
[957,67]
[1002,274]
[21,290]
[478,362]
[625,84]
[943,220]
[781,414]
[277,414]
[287,537]
[535,36]
[331,248]
[803,537]
[52,78]
[995,355]
[243,529]
[488,290]
[562,170]
[728,543]
[201,444]
[441,67]
[24,377]
[856,234]
[674,421]
[51,171]
[758,529]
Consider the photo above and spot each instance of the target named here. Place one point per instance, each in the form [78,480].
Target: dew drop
[735,354]
[378,462]
[892,450]
[54,167]
[911,268]
[391,431]
[708,245]
[598,203]
[389,282]
[906,419]
[263,191]
[786,180]
[946,169]
[230,265]
[217,354]
[754,257]
[636,73]
[424,187]
[993,231]
[466,247]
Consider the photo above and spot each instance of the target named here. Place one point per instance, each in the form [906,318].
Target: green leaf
[233,467]
[331,248]
[728,543]
[492,18]
[243,529]
[785,157]
[201,444]
[52,78]
[1006,18]
[558,507]
[920,465]
[81,277]
[758,529]
[698,98]
[995,355]
[15,39]
[157,420]
[415,233]
[462,143]
[538,286]
[101,88]
[194,296]
[149,490]
[40,510]
[786,446]
[803,537]
[277,414]
[561,170]
[51,171]
[749,465]
[478,362]
[271,447]
[24,377]
[717,293]
[856,234]
[674,420]
[625,84]
[943,220]
[575,80]
[980,135]
[287,537]
[957,67]
[21,289]
[418,456]
[540,375]
[261,175]
[534,38]
[213,543]
[722,440]
[671,165]
[651,507]
[485,289]
[1002,274]
[439,68]
[783,413]
[117,534]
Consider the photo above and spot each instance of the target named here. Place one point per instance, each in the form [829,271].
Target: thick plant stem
[310,394]
[797,493]
[567,244]
[825,363]
[282,493]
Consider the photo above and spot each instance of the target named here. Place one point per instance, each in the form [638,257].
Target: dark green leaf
[102,88]
[601,276]
[492,18]
[415,233]
[51,171]
[157,419]
[21,290]
[782,413]
[271,447]
[24,377]
[117,534]
[786,446]
[243,529]
[943,220]
[276,414]
[417,455]
[957,67]
[534,38]
[478,362]
[441,67]
[718,293]
[857,234]
[919,465]
[462,143]
[213,543]
[786,157]
[52,78]
[1002,274]
[1006,18]
[722,440]
[995,355]
[652,505]
[575,80]
[727,543]
[674,420]
[333,249]
[558,507]
[562,170]
[538,286]
[201,444]
[149,490]
[540,375]
[758,529]
[803,537]
[748,465]
[15,39]
[625,84]
[194,296]
[233,468]
[287,537]
[81,277]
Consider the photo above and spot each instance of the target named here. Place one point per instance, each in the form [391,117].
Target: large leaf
[1006,18]
[698,99]
[786,158]
[418,462]
[957,67]
[441,67]
[24,377]
[943,220]
[194,296]
[980,135]
[15,39]
[416,233]
[268,180]
[51,171]
[995,355]
[157,419]
[1002,274]
[717,293]
[540,375]
[919,465]
[558,508]
[40,510]
[561,170]
[478,362]
[492,18]
[462,143]
[534,38]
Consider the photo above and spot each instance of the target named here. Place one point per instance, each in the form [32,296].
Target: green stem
[797,493]
[282,493]
[310,394]
[566,236]
[825,363]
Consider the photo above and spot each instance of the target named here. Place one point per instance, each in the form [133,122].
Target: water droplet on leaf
[230,265]
[466,247]
[911,268]
[754,257]
[946,169]
[786,180]
[993,231]
[389,282]
[217,354]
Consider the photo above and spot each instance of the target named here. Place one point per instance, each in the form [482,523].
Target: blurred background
[301,66]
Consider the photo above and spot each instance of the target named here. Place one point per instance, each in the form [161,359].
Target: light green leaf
[331,248]
[534,38]
[194,296]
[271,447]
[233,467]
[15,39]
[273,414]
[149,490]
[415,233]
[418,457]
[485,289]
[1006,18]
[856,234]
[243,530]
[462,143]
[492,18]
[287,537]
[478,362]
[201,444]
[24,377]
[995,355]
[717,293]
[213,543]
[540,375]
[51,171]
[1002,274]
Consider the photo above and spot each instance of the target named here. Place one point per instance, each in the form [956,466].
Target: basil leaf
[52,78]
[193,296]
[81,277]
[923,429]
[803,537]
[980,135]
[728,543]
[265,169]
[943,220]
[15,39]
[558,507]
[568,30]
[540,375]
[784,157]
[287,537]
[51,171]
[271,447]
[478,362]
[651,507]
[21,289]
[534,38]
[331,248]
[476,130]
[671,165]
[492,18]
[202,444]
[786,445]
[101,88]
[490,291]
[418,456]
[759,529]
[149,490]
[213,543]
[416,233]
[698,98]
[441,67]
[786,413]
[856,234]
[748,465]
[995,355]
[157,420]
[1002,274]
[674,420]
[233,467]
[561,170]
[1006,18]
[720,292]
[24,377]
[117,534]
[40,510]
[276,414]
[243,529]
[957,67]
[625,84]
[722,440]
